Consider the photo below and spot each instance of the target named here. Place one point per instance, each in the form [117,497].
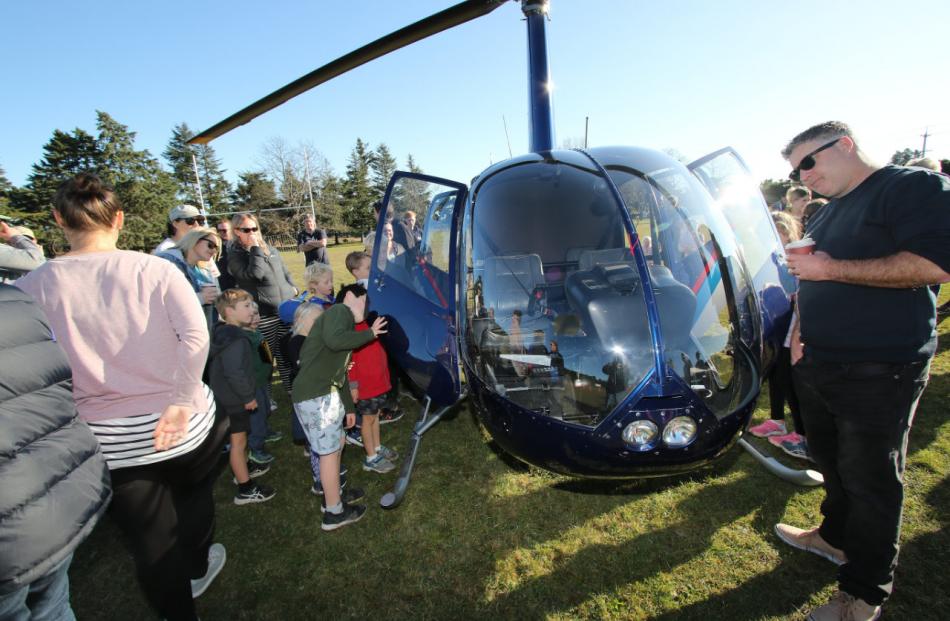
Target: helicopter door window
[416,242]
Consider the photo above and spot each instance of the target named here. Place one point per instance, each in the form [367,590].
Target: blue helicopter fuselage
[611,312]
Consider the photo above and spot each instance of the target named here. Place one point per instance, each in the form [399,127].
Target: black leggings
[274,330]
[781,389]
[166,511]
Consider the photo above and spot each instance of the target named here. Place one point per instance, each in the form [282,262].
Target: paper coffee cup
[802,246]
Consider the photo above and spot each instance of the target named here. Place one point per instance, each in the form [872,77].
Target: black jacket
[54,484]
[264,277]
[231,368]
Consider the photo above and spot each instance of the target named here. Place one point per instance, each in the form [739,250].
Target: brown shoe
[845,607]
[810,541]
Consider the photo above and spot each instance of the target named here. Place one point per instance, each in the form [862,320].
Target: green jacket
[263,369]
[326,354]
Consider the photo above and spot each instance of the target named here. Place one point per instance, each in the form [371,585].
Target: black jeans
[857,418]
[166,511]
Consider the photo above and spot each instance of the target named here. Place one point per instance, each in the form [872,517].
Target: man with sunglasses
[181,219]
[862,348]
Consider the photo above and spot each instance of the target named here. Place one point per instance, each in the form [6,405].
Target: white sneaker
[217,555]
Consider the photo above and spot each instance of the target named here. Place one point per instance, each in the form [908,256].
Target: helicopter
[609,312]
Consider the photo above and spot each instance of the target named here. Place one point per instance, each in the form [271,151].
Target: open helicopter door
[728,180]
[413,283]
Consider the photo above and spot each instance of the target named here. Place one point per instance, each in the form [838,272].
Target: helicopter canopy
[578,297]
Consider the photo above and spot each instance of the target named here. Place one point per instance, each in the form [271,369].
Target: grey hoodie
[231,368]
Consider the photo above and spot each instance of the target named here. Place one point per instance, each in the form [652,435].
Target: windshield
[703,296]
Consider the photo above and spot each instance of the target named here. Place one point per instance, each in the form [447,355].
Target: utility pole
[306,159]
[201,198]
[923,151]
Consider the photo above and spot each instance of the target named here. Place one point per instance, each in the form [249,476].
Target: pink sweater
[132,327]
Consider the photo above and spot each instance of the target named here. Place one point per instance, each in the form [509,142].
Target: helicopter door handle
[380,283]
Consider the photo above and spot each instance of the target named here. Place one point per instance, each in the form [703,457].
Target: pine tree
[384,166]
[328,197]
[215,189]
[146,191]
[5,188]
[64,155]
[358,195]
[414,195]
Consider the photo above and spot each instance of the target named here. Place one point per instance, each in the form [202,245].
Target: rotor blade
[434,24]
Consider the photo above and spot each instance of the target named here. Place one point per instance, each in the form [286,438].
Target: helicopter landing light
[641,434]
[679,432]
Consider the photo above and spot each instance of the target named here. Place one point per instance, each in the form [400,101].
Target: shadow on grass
[602,569]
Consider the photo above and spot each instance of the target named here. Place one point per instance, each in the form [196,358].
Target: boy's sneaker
[254,470]
[796,449]
[390,415]
[258,493]
[379,464]
[216,558]
[388,453]
[317,488]
[260,457]
[810,541]
[273,436]
[354,437]
[771,427]
[350,514]
[347,497]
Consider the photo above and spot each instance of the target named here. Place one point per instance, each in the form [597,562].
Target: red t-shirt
[370,368]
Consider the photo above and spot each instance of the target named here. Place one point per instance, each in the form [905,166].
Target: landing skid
[807,477]
[391,500]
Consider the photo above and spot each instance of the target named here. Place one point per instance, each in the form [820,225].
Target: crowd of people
[136,418]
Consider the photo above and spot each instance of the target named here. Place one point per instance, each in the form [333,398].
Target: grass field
[481,536]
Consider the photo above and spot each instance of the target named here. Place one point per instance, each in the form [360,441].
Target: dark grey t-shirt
[317,254]
[895,209]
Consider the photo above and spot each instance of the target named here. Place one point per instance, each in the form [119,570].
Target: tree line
[286,176]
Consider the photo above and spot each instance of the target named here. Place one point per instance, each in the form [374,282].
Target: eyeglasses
[190,221]
[223,229]
[808,162]
[210,242]
[247,229]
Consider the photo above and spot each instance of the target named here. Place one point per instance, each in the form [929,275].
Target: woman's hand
[172,427]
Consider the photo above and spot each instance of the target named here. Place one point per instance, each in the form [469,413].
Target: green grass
[480,536]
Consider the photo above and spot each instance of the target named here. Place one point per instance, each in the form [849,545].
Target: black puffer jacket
[54,484]
[265,277]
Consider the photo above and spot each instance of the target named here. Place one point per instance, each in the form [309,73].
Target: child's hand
[251,406]
[379,326]
[350,420]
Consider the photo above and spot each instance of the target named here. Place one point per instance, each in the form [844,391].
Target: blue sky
[688,75]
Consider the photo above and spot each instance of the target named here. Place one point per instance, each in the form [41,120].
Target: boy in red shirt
[369,384]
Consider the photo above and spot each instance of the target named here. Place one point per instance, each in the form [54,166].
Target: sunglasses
[190,221]
[210,242]
[808,162]
[247,229]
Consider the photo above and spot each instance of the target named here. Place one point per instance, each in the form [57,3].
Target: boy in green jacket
[322,397]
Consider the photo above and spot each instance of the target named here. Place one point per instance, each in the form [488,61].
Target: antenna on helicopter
[505,123]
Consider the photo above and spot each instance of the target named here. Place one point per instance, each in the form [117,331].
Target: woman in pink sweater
[137,340]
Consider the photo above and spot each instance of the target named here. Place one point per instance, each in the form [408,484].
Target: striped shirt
[128,441]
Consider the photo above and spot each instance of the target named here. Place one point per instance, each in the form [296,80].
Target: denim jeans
[857,418]
[44,599]
[259,426]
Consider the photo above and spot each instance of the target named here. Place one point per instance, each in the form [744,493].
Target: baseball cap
[24,230]
[183,211]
